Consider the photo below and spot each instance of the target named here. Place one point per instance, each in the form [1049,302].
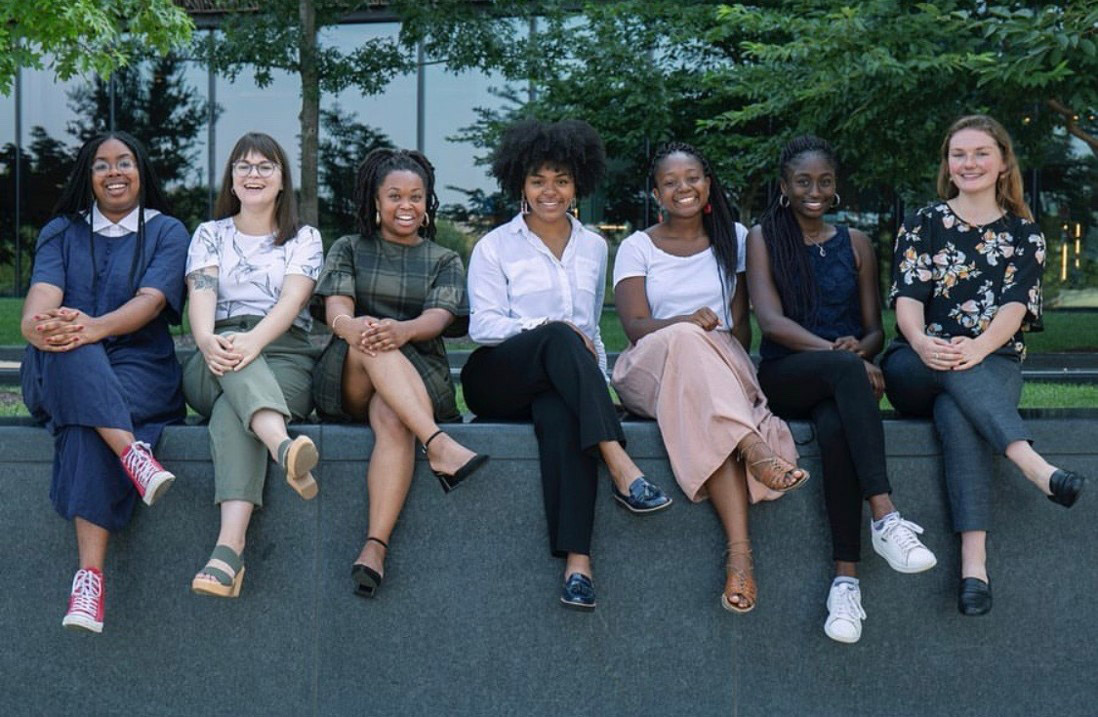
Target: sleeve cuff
[528,324]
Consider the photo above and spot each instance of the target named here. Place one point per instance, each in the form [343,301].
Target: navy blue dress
[127,382]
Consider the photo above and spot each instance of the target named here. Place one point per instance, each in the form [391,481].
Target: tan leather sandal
[739,583]
[769,468]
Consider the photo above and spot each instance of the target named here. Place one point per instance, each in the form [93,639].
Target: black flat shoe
[366,579]
[449,481]
[974,598]
[1066,487]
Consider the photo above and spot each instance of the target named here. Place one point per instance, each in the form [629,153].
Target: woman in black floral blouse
[966,286]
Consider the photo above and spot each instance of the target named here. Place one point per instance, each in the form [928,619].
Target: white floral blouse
[962,273]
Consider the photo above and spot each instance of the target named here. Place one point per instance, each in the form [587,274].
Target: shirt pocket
[588,275]
[528,276]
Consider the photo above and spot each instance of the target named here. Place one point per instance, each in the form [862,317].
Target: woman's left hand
[247,345]
[385,335]
[972,352]
[876,378]
[848,343]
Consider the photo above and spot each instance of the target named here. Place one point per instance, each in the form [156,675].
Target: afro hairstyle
[530,144]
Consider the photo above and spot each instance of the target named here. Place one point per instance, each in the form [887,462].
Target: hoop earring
[836,201]
[524,206]
[659,214]
[426,221]
[783,201]
[573,207]
[377,218]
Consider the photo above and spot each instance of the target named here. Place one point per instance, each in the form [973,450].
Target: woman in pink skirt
[682,299]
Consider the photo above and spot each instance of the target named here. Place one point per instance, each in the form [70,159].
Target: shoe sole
[640,511]
[301,458]
[79,623]
[216,589]
[903,568]
[158,486]
[578,606]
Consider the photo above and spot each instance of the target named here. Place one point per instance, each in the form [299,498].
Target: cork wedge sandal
[298,457]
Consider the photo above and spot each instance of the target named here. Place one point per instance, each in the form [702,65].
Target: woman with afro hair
[536,288]
[390,293]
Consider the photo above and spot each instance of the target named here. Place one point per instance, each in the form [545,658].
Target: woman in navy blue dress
[100,371]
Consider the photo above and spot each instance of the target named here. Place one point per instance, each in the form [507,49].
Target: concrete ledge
[467,622]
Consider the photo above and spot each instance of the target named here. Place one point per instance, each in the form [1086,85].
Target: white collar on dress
[101,225]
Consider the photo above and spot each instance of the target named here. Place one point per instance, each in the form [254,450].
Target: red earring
[708,208]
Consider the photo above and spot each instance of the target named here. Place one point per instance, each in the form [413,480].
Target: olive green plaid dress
[393,281]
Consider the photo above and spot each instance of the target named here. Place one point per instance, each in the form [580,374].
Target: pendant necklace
[814,240]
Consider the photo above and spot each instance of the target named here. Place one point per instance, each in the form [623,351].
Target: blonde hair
[1008,188]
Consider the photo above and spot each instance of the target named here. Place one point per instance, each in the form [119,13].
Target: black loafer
[1066,487]
[974,598]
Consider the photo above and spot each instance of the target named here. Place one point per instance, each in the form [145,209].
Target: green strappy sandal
[226,585]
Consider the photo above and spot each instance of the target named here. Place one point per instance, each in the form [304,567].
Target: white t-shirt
[679,285]
[250,268]
[515,283]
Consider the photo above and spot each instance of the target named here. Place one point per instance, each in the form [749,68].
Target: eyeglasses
[123,165]
[263,169]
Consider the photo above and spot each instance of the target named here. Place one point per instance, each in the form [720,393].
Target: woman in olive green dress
[390,295]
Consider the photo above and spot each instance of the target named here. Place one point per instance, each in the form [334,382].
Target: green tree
[283,35]
[346,142]
[1048,53]
[80,36]
[154,103]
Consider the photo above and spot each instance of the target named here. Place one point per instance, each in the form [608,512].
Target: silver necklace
[814,240]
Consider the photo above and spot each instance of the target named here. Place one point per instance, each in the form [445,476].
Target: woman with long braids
[814,288]
[536,286]
[681,296]
[391,293]
[250,274]
[100,368]
[966,287]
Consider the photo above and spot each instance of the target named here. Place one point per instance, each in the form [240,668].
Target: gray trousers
[976,416]
[279,379]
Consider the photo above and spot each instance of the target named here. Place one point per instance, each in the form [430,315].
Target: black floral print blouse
[962,273]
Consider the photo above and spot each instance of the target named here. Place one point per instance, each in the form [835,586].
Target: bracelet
[335,321]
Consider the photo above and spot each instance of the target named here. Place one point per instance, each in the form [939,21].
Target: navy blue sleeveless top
[838,303]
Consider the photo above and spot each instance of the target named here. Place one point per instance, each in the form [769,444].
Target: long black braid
[789,262]
[77,199]
[372,172]
[719,224]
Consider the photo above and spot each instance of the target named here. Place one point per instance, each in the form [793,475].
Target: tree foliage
[346,142]
[81,36]
[284,35]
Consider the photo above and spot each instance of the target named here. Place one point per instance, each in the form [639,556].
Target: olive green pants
[279,379]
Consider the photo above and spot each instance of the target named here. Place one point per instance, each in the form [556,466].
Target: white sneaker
[896,543]
[844,613]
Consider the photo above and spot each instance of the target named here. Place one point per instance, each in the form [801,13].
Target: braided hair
[372,171]
[530,144]
[77,199]
[720,223]
[789,263]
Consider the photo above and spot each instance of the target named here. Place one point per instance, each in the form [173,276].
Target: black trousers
[831,388]
[549,375]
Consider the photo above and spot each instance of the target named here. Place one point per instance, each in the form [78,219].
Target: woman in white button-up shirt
[536,288]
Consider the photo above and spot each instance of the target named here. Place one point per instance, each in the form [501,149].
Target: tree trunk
[310,112]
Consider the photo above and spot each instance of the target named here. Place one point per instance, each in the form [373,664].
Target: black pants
[549,375]
[831,388]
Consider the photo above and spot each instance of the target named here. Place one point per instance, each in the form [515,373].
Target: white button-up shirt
[125,225]
[516,284]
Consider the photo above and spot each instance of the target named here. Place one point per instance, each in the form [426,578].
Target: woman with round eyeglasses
[100,368]
[250,274]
